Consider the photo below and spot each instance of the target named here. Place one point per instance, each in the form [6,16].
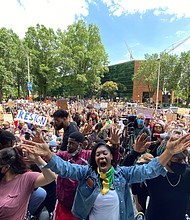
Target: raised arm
[141,144]
[63,168]
[46,176]
[174,147]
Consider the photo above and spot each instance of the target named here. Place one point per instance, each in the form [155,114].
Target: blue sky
[140,26]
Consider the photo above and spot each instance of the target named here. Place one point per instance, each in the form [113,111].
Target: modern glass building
[130,90]
[122,74]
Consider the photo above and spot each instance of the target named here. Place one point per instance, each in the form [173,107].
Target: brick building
[123,74]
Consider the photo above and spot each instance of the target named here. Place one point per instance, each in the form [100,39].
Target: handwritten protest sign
[97,105]
[31,118]
[8,117]
[62,104]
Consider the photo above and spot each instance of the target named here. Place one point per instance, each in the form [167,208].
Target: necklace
[173,185]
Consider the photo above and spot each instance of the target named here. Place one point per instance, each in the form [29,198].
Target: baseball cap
[77,136]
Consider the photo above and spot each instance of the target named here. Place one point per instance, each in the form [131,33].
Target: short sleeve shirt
[15,194]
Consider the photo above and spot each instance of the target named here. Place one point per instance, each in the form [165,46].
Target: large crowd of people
[95,160]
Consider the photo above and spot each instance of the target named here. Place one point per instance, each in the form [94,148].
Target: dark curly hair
[13,156]
[60,114]
[92,161]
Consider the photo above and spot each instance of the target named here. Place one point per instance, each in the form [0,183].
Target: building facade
[130,89]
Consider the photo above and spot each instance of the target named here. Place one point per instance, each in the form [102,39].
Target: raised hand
[142,143]
[88,128]
[37,137]
[114,137]
[38,149]
[29,158]
[177,146]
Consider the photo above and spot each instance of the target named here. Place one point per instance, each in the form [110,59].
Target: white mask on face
[50,134]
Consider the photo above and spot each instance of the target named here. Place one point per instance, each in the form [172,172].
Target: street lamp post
[158,84]
[29,83]
[28,66]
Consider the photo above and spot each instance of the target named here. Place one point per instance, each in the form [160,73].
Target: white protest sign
[103,105]
[97,106]
[145,110]
[31,118]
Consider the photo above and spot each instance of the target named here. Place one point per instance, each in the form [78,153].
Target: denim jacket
[123,176]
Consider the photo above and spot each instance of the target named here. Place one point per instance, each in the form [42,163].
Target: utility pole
[29,84]
[159,64]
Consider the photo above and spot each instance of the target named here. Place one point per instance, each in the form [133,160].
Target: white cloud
[51,13]
[169,7]
[61,13]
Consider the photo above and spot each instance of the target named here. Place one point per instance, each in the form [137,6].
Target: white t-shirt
[106,207]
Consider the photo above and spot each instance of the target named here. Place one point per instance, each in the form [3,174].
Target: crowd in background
[96,123]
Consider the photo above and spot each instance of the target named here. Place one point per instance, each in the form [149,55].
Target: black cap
[77,136]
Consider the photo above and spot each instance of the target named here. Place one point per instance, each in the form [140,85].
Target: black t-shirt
[70,129]
[168,202]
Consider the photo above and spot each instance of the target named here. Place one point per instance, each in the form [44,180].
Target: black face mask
[178,168]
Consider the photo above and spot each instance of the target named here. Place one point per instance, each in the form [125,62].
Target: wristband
[42,166]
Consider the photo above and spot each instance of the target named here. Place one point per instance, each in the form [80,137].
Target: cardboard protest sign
[1,116]
[11,104]
[31,118]
[62,104]
[171,116]
[8,117]
[183,111]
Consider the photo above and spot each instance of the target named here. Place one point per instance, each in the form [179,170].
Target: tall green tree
[163,65]
[21,65]
[148,72]
[85,57]
[184,81]
[8,62]
[41,42]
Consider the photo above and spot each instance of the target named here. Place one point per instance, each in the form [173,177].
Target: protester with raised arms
[103,192]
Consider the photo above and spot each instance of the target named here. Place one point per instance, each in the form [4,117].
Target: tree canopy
[60,63]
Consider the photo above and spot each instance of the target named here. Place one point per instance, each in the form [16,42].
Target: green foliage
[148,72]
[74,62]
[110,88]
[183,69]
[9,61]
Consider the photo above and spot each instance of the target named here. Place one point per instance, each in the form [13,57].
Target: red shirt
[66,188]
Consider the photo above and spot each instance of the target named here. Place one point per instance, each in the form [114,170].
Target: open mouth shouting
[103,159]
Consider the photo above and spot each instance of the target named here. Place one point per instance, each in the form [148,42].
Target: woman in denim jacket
[103,192]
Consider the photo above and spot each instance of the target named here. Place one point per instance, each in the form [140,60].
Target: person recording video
[133,126]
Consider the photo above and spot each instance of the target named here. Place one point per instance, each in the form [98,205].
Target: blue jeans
[36,199]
